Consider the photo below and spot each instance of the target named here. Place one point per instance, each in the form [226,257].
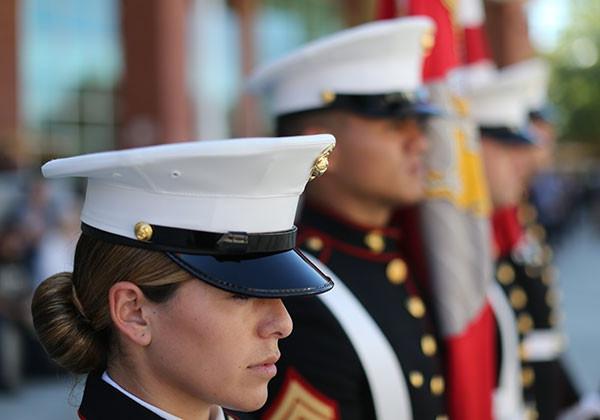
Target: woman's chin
[249,403]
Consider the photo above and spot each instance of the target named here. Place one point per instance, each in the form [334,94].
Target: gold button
[415,306]
[554,318]
[523,352]
[550,298]
[533,272]
[375,241]
[532,413]
[548,254]
[416,379]
[526,214]
[527,377]
[314,243]
[518,298]
[524,323]
[437,385]
[396,271]
[538,232]
[143,231]
[428,345]
[548,275]
[328,96]
[505,273]
[441,417]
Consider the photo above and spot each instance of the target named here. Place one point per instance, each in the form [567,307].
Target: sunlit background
[69,91]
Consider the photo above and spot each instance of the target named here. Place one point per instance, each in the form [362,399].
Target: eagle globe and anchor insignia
[321,163]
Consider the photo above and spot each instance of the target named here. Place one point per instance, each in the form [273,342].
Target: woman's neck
[159,394]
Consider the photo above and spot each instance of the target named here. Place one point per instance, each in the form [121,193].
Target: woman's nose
[277,322]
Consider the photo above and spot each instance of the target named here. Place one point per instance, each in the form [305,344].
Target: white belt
[508,397]
[379,361]
[543,345]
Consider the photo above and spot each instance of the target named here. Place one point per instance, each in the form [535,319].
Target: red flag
[455,224]
[475,46]
[443,57]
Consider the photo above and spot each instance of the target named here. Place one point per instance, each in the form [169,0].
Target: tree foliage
[575,83]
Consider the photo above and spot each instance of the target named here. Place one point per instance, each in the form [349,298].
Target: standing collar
[506,230]
[103,398]
[368,239]
[106,378]
[103,401]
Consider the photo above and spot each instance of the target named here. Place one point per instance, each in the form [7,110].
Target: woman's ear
[126,302]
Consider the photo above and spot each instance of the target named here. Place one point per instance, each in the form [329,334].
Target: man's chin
[410,198]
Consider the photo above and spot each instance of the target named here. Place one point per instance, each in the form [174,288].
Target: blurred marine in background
[371,351]
[454,220]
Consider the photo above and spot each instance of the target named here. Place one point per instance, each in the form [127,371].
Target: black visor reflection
[283,274]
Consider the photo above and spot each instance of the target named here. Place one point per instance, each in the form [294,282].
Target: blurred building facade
[80,77]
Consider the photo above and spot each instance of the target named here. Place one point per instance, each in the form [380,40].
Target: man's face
[507,168]
[380,159]
[543,153]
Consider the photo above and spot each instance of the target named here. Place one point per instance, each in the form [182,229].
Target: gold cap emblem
[143,231]
[328,96]
[321,163]
[428,41]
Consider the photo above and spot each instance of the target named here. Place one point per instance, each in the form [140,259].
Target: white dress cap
[375,58]
[536,73]
[222,210]
[247,185]
[502,101]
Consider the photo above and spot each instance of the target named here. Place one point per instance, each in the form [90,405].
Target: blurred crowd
[39,225]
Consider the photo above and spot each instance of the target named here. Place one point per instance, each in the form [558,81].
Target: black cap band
[388,105]
[376,105]
[507,135]
[168,239]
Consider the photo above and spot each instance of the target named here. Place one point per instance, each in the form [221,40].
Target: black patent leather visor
[393,105]
[274,275]
[508,135]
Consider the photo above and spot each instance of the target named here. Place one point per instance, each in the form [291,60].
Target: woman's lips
[266,367]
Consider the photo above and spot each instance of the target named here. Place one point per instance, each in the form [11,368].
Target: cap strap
[169,239]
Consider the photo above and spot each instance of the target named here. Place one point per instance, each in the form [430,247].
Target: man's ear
[126,302]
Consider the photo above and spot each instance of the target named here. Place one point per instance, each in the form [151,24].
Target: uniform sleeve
[319,374]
